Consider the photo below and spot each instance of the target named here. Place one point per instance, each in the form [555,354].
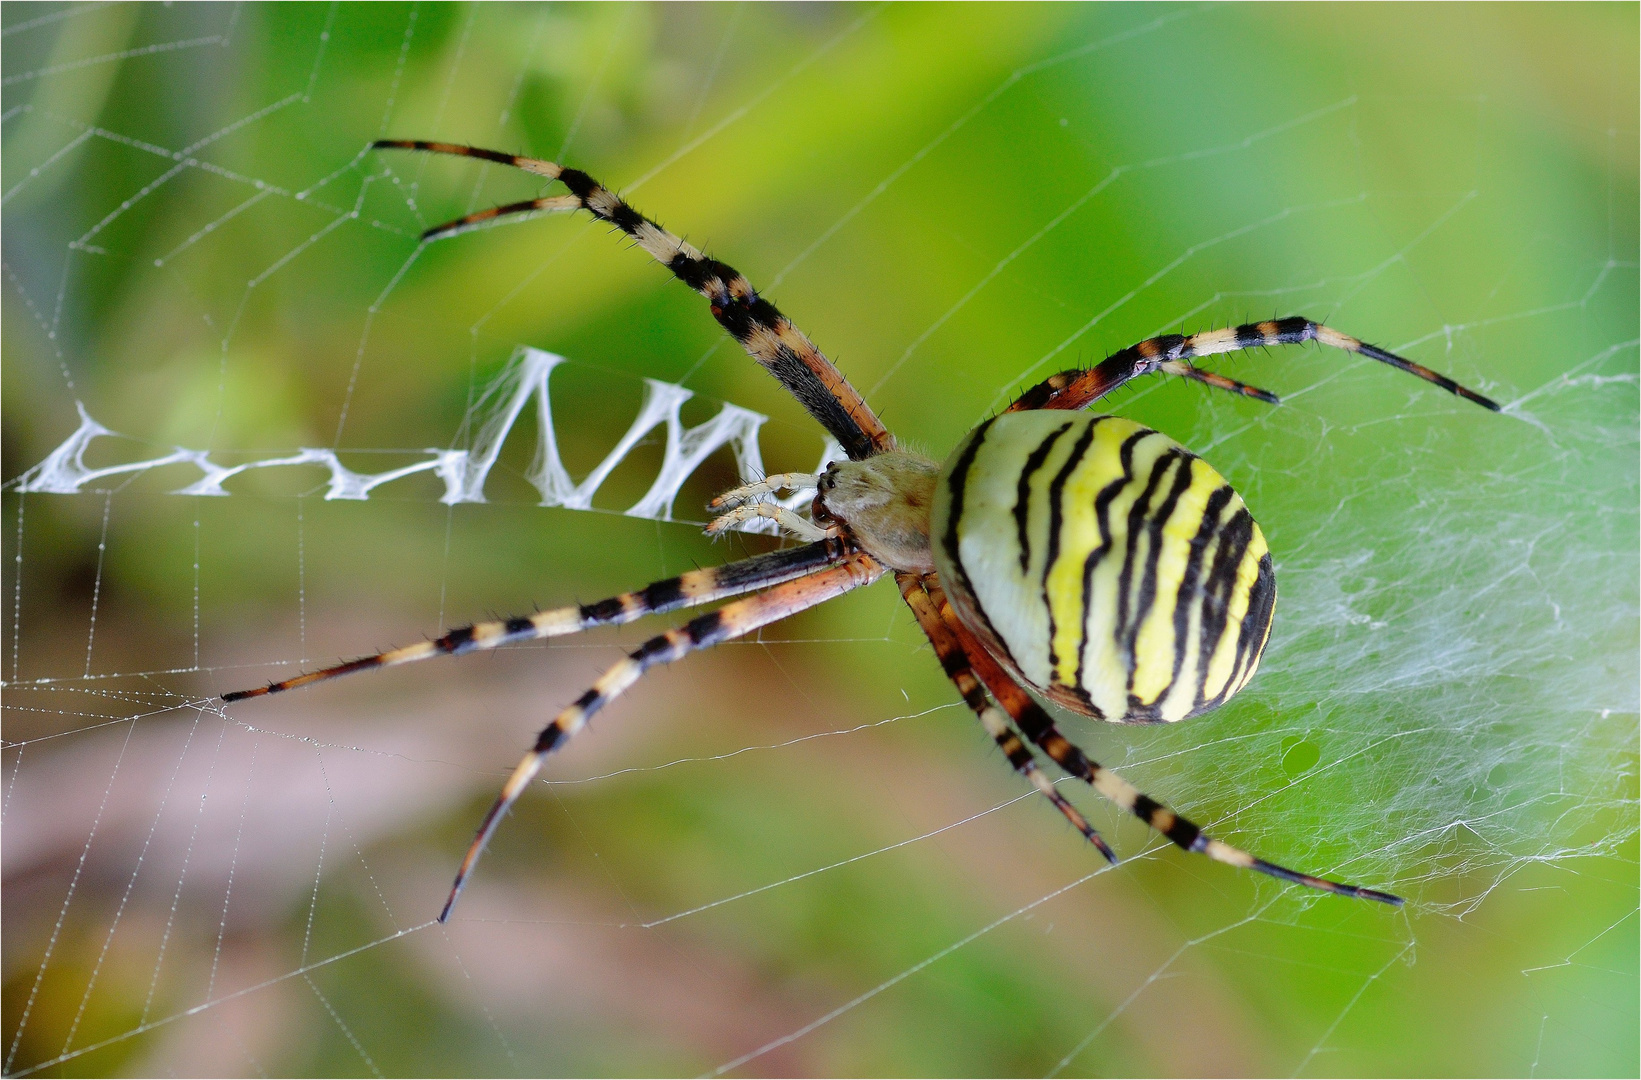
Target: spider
[1087,558]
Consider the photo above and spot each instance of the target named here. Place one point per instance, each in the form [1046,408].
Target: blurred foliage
[953,201]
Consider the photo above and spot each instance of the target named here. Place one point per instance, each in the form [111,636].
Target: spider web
[798,854]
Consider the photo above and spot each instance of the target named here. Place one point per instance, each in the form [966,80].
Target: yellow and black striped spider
[1089,558]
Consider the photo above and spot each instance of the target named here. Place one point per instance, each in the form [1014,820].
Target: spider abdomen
[1110,567]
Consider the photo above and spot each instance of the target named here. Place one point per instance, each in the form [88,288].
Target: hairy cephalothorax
[1090,558]
[886,502]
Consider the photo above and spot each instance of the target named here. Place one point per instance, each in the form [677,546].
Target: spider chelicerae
[1086,557]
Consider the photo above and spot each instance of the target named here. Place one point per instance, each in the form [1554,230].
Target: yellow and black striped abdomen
[1109,566]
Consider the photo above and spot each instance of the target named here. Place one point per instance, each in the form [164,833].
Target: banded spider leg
[731,621]
[1080,387]
[791,580]
[953,660]
[689,589]
[760,328]
[1035,723]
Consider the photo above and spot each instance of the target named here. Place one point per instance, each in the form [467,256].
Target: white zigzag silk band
[464,472]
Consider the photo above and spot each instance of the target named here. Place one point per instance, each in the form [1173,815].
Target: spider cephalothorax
[885,502]
[1095,560]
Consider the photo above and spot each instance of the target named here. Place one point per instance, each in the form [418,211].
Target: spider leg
[686,590]
[761,329]
[730,621]
[1037,726]
[1078,388]
[551,204]
[949,651]
[1188,370]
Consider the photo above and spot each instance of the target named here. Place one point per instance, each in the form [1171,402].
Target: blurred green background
[953,201]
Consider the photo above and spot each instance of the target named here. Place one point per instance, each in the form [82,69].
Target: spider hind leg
[953,660]
[1037,726]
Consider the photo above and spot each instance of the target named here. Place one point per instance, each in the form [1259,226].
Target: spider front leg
[1077,389]
[769,336]
[727,623]
[1037,726]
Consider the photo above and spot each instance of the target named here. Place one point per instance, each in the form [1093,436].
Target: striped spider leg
[771,339]
[689,589]
[949,651]
[1170,353]
[731,621]
[1037,726]
[792,580]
